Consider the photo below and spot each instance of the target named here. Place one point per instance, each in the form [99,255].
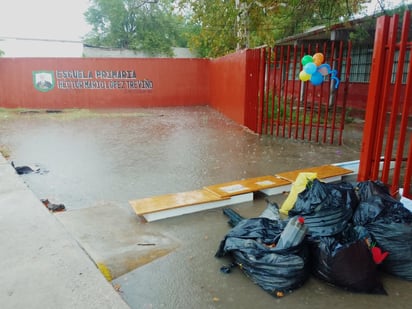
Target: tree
[142,25]
[227,25]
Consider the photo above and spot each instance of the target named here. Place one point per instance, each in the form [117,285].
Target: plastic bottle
[293,234]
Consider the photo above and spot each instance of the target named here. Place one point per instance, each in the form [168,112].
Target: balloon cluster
[314,70]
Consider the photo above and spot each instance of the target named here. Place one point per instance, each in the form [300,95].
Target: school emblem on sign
[43,80]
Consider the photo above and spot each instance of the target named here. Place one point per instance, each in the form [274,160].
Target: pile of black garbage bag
[354,230]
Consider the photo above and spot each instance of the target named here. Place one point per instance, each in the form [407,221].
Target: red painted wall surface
[253,70]
[228,85]
[103,83]
[357,96]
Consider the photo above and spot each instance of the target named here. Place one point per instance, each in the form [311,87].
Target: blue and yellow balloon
[315,71]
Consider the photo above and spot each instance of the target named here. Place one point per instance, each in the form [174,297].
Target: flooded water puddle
[130,154]
[97,161]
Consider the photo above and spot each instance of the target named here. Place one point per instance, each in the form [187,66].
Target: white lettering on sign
[101,79]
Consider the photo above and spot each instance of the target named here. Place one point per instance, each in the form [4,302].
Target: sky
[43,19]
[51,20]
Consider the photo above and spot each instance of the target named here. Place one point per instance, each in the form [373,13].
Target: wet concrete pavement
[118,156]
[41,265]
[96,161]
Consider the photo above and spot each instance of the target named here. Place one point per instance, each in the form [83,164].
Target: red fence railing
[295,109]
[386,152]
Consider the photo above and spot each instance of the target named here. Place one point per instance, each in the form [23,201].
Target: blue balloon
[310,68]
[316,79]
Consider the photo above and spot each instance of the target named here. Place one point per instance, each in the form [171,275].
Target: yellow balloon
[303,76]
[318,58]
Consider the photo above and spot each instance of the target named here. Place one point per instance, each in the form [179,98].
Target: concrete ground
[42,265]
[96,162]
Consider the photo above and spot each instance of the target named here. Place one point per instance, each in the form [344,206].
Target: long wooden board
[176,204]
[248,185]
[174,212]
[224,194]
[174,200]
[326,173]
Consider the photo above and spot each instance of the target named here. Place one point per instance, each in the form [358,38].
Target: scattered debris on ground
[25,169]
[53,207]
[28,169]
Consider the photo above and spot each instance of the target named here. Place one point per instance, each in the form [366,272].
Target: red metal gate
[386,152]
[291,108]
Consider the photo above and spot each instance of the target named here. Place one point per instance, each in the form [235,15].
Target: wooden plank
[174,212]
[247,185]
[174,200]
[324,172]
[350,165]
[229,193]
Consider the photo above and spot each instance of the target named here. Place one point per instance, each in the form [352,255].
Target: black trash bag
[378,204]
[390,226]
[326,207]
[251,245]
[345,261]
[234,217]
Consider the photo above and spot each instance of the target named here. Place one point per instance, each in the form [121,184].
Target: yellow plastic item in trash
[298,186]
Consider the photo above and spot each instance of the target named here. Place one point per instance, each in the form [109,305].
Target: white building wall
[96,52]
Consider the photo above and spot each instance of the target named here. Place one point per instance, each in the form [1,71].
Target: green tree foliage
[226,25]
[142,25]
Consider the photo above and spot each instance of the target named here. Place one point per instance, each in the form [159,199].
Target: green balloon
[307,59]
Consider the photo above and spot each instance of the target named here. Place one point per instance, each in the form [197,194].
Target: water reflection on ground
[119,155]
[99,160]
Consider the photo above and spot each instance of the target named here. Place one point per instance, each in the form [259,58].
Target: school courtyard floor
[95,162]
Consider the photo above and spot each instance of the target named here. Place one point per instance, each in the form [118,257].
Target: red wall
[227,84]
[140,83]
[234,84]
[357,95]
[230,84]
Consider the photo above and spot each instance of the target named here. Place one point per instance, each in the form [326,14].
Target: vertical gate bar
[300,98]
[267,83]
[373,101]
[385,97]
[285,91]
[325,125]
[345,89]
[305,102]
[318,121]
[312,104]
[407,190]
[261,87]
[342,115]
[403,129]
[333,111]
[279,94]
[335,67]
[396,106]
[275,49]
[405,108]
[292,97]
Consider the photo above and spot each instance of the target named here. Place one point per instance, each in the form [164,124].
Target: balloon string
[334,73]
[336,82]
